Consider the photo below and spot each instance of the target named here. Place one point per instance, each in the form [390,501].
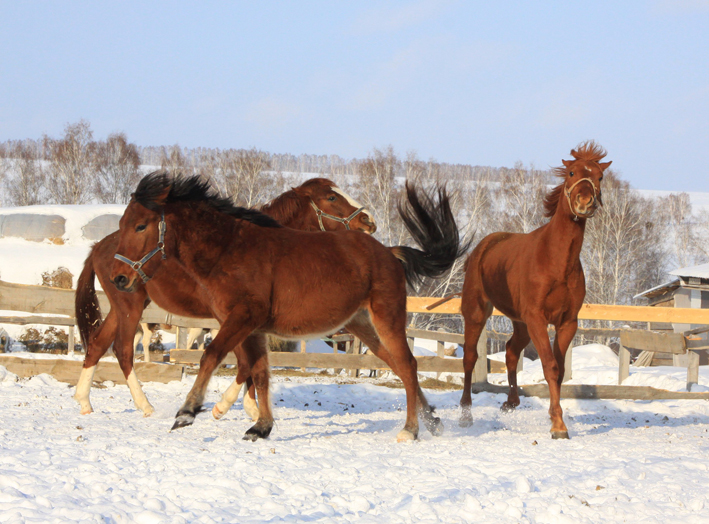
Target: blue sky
[484,83]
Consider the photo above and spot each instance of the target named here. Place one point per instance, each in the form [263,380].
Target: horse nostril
[121,281]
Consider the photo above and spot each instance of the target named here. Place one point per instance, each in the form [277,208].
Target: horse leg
[232,393]
[552,373]
[147,337]
[565,333]
[192,335]
[474,326]
[98,344]
[513,349]
[361,327]
[123,348]
[255,352]
[389,319]
[234,331]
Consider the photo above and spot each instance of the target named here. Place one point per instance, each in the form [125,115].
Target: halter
[345,221]
[137,266]
[567,192]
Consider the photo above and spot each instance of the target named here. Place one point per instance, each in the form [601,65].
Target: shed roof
[700,271]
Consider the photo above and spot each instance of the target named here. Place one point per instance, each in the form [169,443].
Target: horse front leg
[473,329]
[232,334]
[552,372]
[513,349]
[565,334]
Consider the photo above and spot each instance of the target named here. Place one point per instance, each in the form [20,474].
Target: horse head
[581,186]
[334,208]
[142,231]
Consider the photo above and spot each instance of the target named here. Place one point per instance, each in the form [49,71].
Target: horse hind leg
[97,347]
[473,330]
[361,326]
[513,349]
[124,350]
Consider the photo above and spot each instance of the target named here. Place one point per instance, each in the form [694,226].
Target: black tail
[86,306]
[434,229]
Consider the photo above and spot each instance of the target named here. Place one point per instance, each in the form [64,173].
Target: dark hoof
[183,418]
[254,433]
[508,407]
[559,434]
[434,426]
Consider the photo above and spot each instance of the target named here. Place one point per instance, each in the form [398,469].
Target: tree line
[630,244]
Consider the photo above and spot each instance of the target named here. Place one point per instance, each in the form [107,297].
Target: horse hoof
[559,435]
[148,411]
[216,412]
[182,420]
[87,411]
[435,426]
[254,433]
[405,436]
[508,407]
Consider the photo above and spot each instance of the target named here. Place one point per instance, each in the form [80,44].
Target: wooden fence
[52,306]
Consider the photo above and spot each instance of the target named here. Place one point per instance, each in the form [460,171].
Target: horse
[316,205]
[535,279]
[260,278]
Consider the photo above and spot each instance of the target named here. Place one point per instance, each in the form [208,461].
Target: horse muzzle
[123,283]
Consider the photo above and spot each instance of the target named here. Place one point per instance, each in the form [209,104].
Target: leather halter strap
[138,266]
[346,221]
[568,190]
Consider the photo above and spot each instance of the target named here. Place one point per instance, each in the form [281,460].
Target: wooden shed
[689,289]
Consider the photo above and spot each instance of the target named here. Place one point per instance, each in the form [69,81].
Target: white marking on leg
[83,389]
[139,398]
[227,401]
[353,202]
[251,406]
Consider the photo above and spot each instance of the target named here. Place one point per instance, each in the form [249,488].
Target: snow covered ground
[332,456]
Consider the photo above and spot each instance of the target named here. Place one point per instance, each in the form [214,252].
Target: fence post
[480,370]
[440,351]
[303,345]
[70,341]
[520,362]
[567,364]
[692,369]
[623,363]
[181,338]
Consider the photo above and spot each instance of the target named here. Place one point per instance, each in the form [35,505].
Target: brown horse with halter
[317,204]
[535,279]
[259,278]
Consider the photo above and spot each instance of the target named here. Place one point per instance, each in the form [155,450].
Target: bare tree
[25,179]
[380,192]
[174,161]
[71,165]
[117,169]
[518,197]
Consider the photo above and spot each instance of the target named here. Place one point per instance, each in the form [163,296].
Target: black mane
[193,189]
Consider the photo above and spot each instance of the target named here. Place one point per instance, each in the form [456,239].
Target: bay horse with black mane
[535,279]
[317,204]
[259,278]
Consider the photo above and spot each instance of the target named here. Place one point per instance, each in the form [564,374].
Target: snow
[332,457]
[700,271]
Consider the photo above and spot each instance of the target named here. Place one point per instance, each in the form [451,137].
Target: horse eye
[140,228]
[571,173]
[331,198]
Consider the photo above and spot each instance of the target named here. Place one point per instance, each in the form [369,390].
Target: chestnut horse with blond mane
[317,204]
[258,277]
[535,279]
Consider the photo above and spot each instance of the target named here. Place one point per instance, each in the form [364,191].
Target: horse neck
[290,210]
[201,236]
[565,236]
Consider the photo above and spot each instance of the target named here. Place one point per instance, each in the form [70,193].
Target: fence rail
[52,306]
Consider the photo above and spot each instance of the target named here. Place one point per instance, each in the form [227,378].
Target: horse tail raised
[86,305]
[434,229]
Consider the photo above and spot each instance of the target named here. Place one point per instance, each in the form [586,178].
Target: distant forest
[629,246]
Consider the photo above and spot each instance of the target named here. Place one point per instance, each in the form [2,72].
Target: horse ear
[161,198]
[605,165]
[567,163]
